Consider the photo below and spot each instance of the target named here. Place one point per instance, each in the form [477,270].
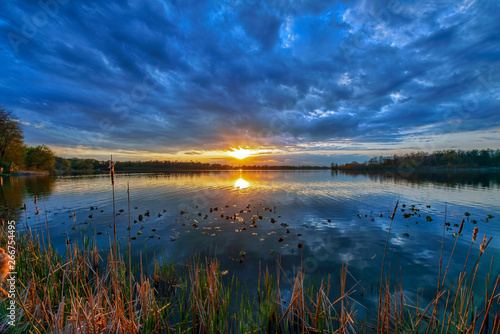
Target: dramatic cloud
[310,79]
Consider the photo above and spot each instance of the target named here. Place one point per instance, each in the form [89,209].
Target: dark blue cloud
[165,76]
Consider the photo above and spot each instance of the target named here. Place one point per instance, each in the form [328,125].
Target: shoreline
[27,173]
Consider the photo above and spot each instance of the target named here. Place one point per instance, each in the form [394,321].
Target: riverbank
[26,172]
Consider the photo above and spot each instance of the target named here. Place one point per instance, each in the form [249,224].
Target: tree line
[437,159]
[163,166]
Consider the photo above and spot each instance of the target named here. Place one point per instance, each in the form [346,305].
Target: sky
[305,82]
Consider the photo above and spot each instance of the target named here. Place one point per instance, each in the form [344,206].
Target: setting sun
[240,153]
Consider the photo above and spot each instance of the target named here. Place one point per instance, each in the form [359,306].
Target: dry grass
[4,269]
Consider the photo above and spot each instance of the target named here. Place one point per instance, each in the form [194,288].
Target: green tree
[496,158]
[11,139]
[84,164]
[485,157]
[450,159]
[39,158]
[62,163]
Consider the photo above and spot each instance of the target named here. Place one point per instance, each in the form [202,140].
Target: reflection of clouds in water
[320,245]
[397,241]
[423,257]
[347,258]
[324,224]
[330,249]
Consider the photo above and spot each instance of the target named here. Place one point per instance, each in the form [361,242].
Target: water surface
[248,219]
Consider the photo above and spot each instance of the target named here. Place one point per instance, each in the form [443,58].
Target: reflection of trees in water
[11,197]
[15,189]
[472,178]
[40,186]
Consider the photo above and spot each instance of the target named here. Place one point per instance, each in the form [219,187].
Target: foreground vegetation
[84,291]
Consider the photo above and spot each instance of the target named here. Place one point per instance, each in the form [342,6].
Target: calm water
[337,217]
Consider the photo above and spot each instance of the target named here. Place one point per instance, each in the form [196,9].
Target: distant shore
[419,169]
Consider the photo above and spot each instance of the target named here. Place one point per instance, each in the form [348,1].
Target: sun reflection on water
[241,184]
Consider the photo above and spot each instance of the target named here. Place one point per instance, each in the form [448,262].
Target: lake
[248,219]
